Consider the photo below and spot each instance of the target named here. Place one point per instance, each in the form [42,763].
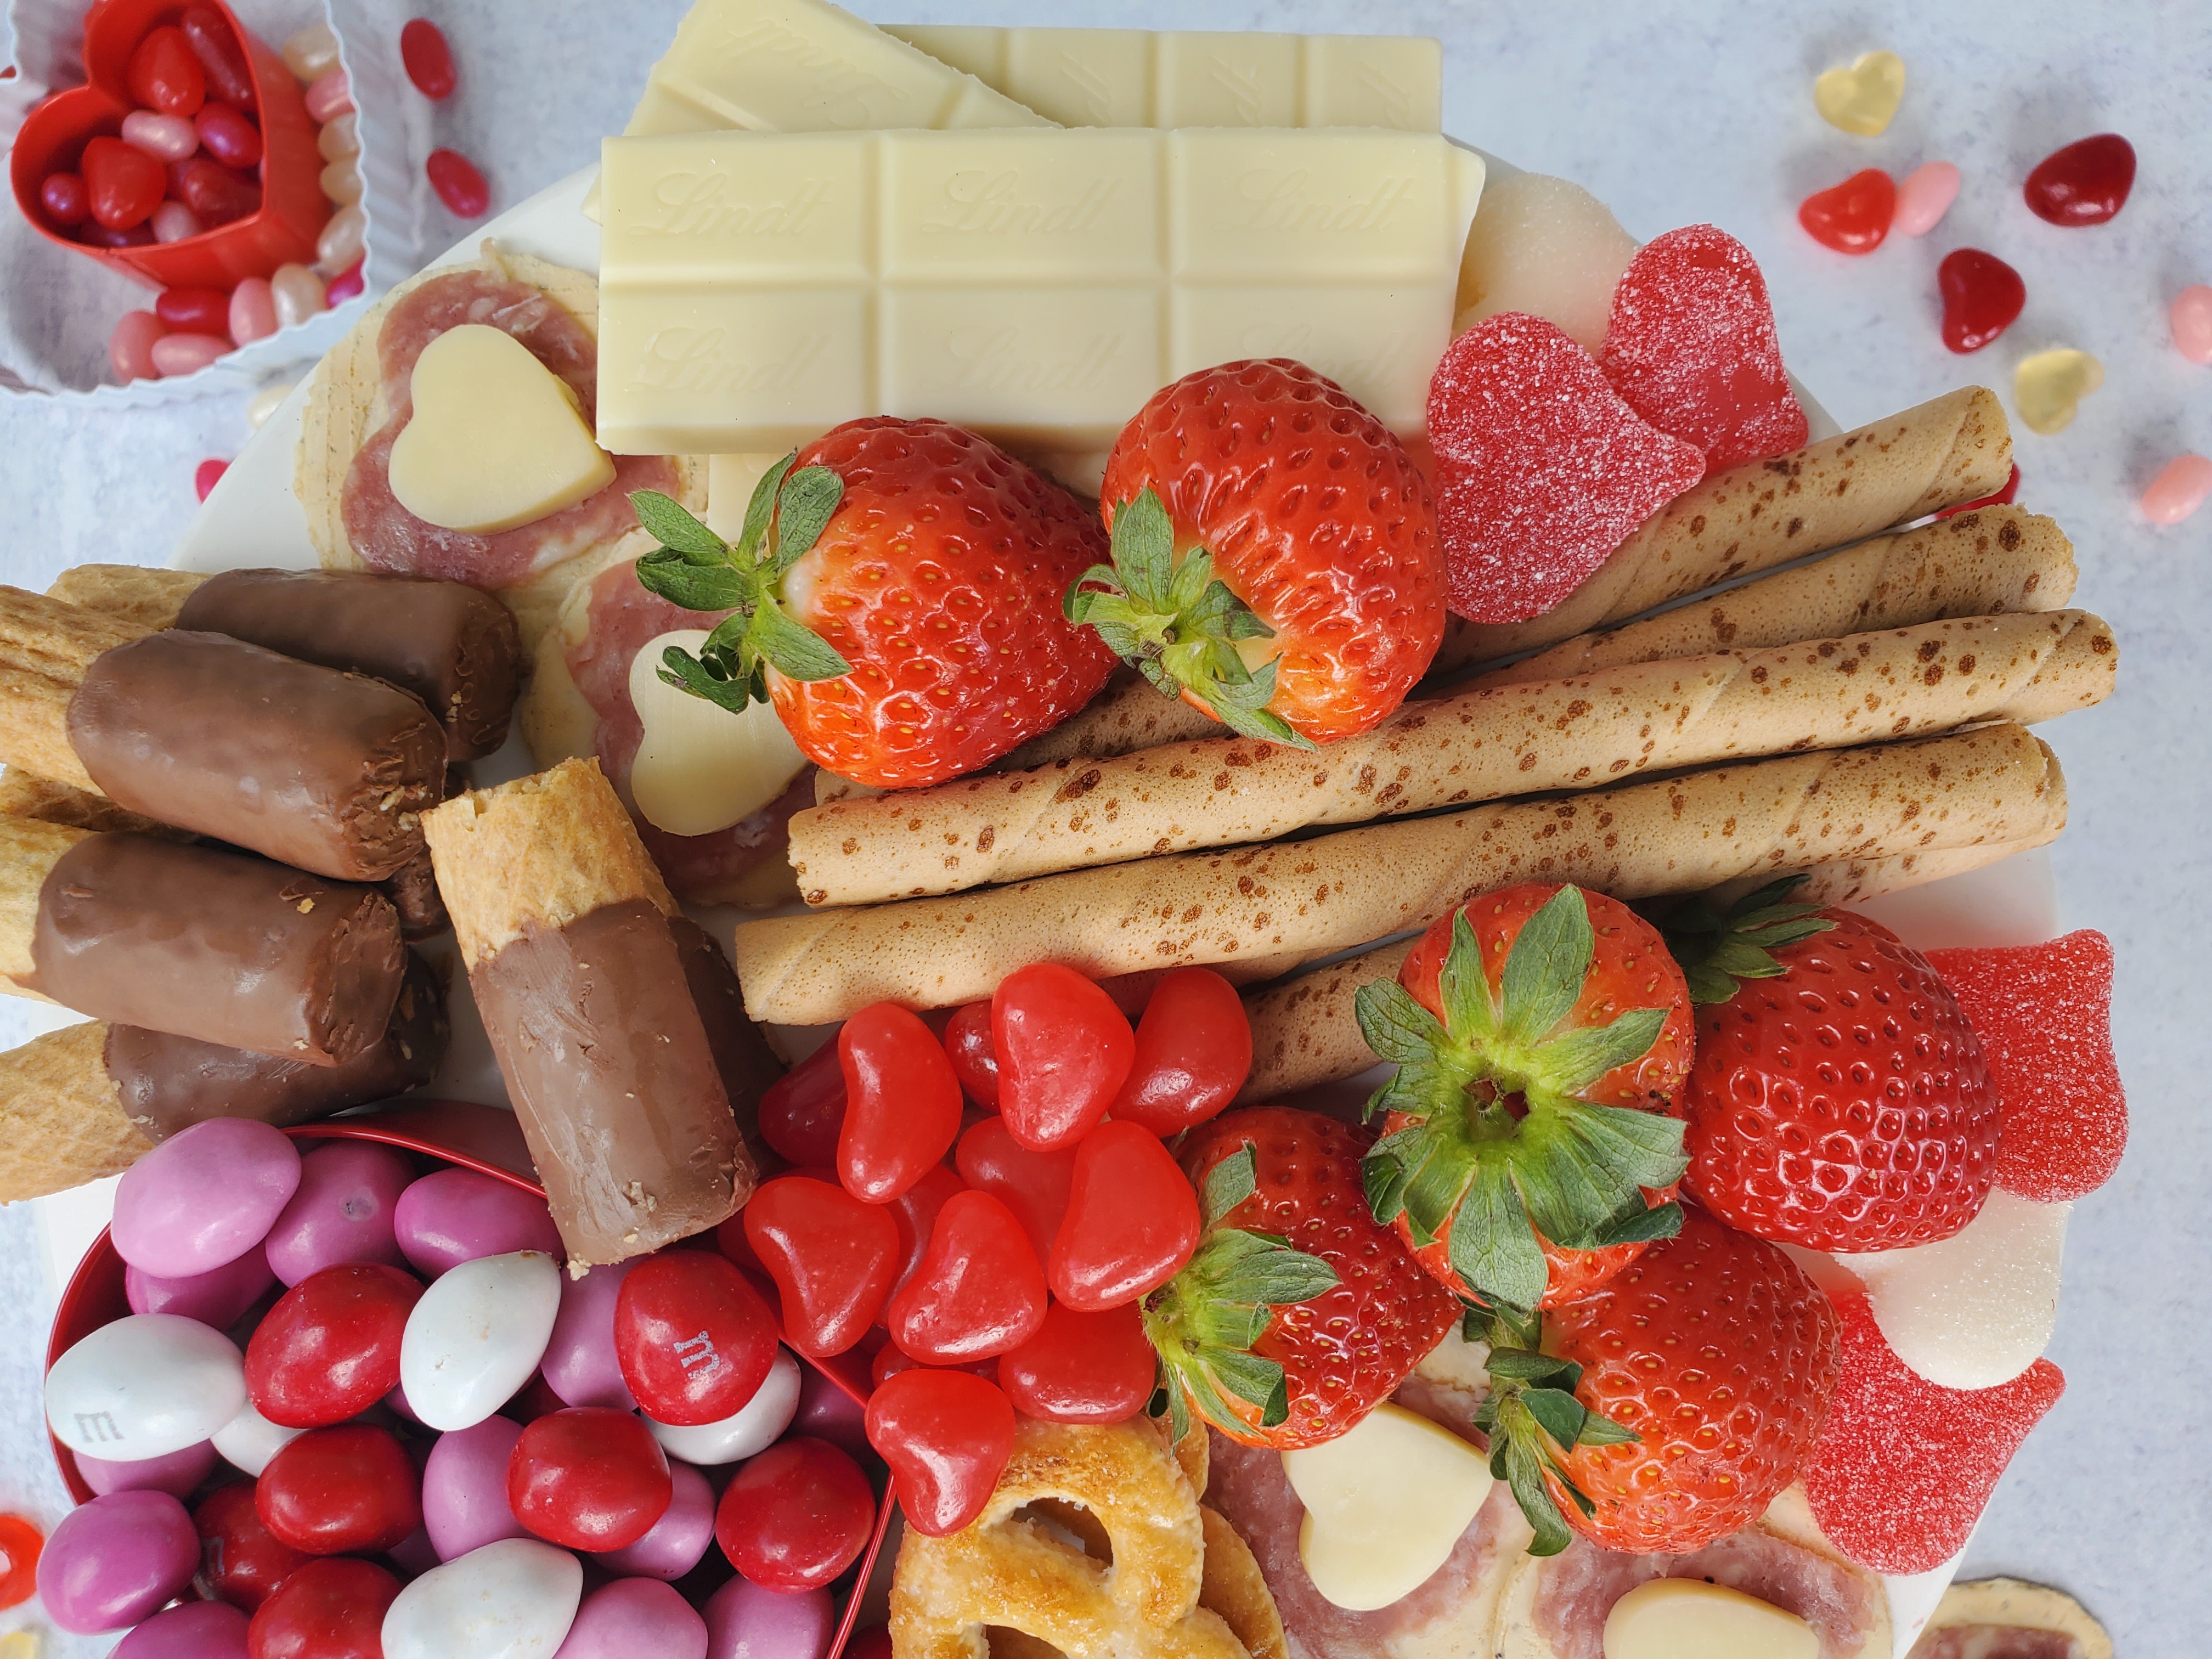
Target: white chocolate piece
[1177,78]
[496,440]
[1386,1502]
[757,289]
[699,767]
[729,482]
[1548,247]
[1690,1619]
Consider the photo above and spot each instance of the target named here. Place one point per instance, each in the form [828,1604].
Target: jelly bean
[62,196]
[477,1336]
[330,96]
[1925,197]
[218,1297]
[330,1349]
[694,1338]
[633,1616]
[589,1478]
[249,1440]
[115,1560]
[1854,217]
[20,1544]
[457,1215]
[123,183]
[341,182]
[2178,490]
[131,348]
[459,184]
[744,1619]
[164,73]
[93,233]
[197,1630]
[266,402]
[173,222]
[339,140]
[2085,183]
[220,55]
[515,1597]
[229,136]
[350,1490]
[580,1364]
[252,313]
[178,1473]
[748,1431]
[143,1386]
[310,53]
[1863,96]
[2191,317]
[828,1413]
[339,246]
[207,475]
[429,59]
[204,1196]
[677,1542]
[464,1504]
[2049,386]
[2004,496]
[329,1609]
[187,354]
[1982,298]
[213,191]
[342,1210]
[298,293]
[164,137]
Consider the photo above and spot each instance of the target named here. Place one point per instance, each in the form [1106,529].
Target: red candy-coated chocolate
[1982,298]
[429,59]
[220,55]
[1691,346]
[1541,468]
[694,1339]
[228,136]
[208,474]
[241,1561]
[164,73]
[589,1478]
[348,1490]
[196,310]
[123,183]
[2003,498]
[1904,1467]
[330,1349]
[65,199]
[2084,184]
[331,1609]
[796,1516]
[459,184]
[2044,1013]
[1854,217]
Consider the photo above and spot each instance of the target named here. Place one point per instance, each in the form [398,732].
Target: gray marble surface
[1673,113]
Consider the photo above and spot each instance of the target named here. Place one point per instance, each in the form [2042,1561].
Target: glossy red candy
[207,475]
[1132,1220]
[796,1516]
[96,234]
[975,1063]
[590,1477]
[21,1543]
[241,1561]
[195,310]
[1033,1185]
[832,1258]
[330,1349]
[62,196]
[873,1644]
[694,1339]
[947,1437]
[344,286]
[1854,217]
[1064,1052]
[327,1610]
[350,1490]
[979,1290]
[221,59]
[213,191]
[890,1359]
[1082,1367]
[429,59]
[915,1212]
[1982,298]
[803,1111]
[2084,184]
[459,184]
[122,185]
[1193,1053]
[2003,497]
[901,1101]
[228,136]
[164,73]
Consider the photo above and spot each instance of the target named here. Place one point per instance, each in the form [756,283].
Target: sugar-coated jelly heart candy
[123,183]
[2191,317]
[1854,217]
[1862,96]
[459,184]
[2178,490]
[164,73]
[2084,184]
[2003,496]
[1923,197]
[429,59]
[1982,298]
[2049,386]
[221,58]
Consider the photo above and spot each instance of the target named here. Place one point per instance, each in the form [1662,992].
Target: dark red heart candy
[1982,298]
[2084,184]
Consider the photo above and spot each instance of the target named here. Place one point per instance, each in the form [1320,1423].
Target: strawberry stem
[1533,1419]
[1717,949]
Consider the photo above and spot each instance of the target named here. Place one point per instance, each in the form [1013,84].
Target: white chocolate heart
[496,441]
[1690,1619]
[1548,247]
[1386,1502]
[700,768]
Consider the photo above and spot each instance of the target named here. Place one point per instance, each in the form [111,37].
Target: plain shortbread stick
[1337,891]
[1485,744]
[144,598]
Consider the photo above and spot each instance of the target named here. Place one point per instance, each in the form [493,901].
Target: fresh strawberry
[1312,594]
[895,594]
[1540,1033]
[1839,1099]
[1298,1315]
[1668,1408]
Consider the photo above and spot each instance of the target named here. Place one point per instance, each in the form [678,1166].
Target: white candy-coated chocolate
[1690,1619]
[512,1600]
[496,440]
[249,1440]
[699,767]
[1385,1504]
[477,1335]
[144,1386]
[753,1428]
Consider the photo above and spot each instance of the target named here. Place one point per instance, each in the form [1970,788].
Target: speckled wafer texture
[61,1116]
[45,646]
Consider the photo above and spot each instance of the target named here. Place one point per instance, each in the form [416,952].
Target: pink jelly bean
[187,354]
[207,475]
[464,1504]
[207,1194]
[131,348]
[346,284]
[342,1210]
[176,1473]
[744,1620]
[117,1561]
[229,136]
[457,1215]
[252,310]
[679,1541]
[2192,322]
[218,1297]
[329,97]
[1925,197]
[633,1616]
[167,137]
[580,1364]
[173,222]
[2178,490]
[195,1630]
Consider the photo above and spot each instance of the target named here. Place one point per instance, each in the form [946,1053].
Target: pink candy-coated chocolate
[677,1542]
[2178,490]
[826,1412]
[1923,197]
[580,1364]
[459,184]
[743,1620]
[1529,506]
[345,285]
[228,136]
[207,475]
[1904,1467]
[342,1210]
[252,310]
[330,96]
[635,1616]
[191,1630]
[207,1194]
[187,354]
[2191,317]
[464,1504]
[131,347]
[164,137]
[429,59]
[173,222]
[117,1561]
[219,1297]
[176,1473]
[454,1216]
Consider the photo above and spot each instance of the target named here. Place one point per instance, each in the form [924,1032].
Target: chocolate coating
[414,894]
[451,646]
[327,771]
[741,1054]
[171,1083]
[610,1072]
[200,942]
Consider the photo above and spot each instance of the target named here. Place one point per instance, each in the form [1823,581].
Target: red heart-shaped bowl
[479,1137]
[283,230]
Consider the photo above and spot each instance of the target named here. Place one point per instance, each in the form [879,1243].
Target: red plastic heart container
[293,207]
[472,1137]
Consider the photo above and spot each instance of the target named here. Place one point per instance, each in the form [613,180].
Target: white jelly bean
[312,52]
[147,1385]
[512,1600]
[249,1440]
[173,222]
[252,310]
[341,182]
[330,96]
[339,138]
[477,1335]
[340,241]
[165,137]
[754,1428]
[298,293]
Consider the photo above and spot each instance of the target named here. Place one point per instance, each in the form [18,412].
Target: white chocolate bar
[756,290]
[1172,78]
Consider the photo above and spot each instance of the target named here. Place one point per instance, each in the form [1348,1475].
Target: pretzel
[1015,1569]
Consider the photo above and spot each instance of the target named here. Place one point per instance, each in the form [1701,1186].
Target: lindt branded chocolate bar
[758,289]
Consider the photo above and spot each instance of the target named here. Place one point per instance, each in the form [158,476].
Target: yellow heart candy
[1863,98]
[2049,387]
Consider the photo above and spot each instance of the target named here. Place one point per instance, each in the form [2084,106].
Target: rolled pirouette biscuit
[197,941]
[1993,560]
[62,1122]
[46,649]
[142,597]
[1333,892]
[565,925]
[1485,744]
[1953,448]
[25,796]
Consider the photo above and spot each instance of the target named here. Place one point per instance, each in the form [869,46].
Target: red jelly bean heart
[1541,468]
[2084,184]
[1853,217]
[1691,346]
[1982,298]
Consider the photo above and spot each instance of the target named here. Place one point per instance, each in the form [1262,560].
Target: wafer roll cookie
[1129,715]
[1340,890]
[137,597]
[1982,563]
[1483,745]
[25,796]
[1952,449]
[62,1121]
[45,647]
[29,850]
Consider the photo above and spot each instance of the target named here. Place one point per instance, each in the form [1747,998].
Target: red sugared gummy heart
[1854,217]
[1541,468]
[2044,1013]
[1691,346]
[1904,1467]
[2084,184]
[2003,497]
[1982,298]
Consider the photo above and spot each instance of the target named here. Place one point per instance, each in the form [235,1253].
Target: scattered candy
[1854,217]
[744,1619]
[218,1297]
[1924,196]
[298,293]
[123,183]
[341,181]
[164,73]
[310,53]
[62,196]
[429,59]
[187,354]
[477,1336]
[249,1440]
[131,347]
[2178,490]
[517,1597]
[338,246]
[178,1473]
[1905,1467]
[1863,96]
[2003,497]
[677,1542]
[115,1560]
[1528,508]
[752,1430]
[796,1515]
[2085,183]
[589,1477]
[2049,386]
[164,137]
[331,1609]
[228,136]
[330,96]
[452,1216]
[207,475]
[2191,317]
[459,184]
[1546,247]
[635,1616]
[173,222]
[221,59]
[1982,297]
